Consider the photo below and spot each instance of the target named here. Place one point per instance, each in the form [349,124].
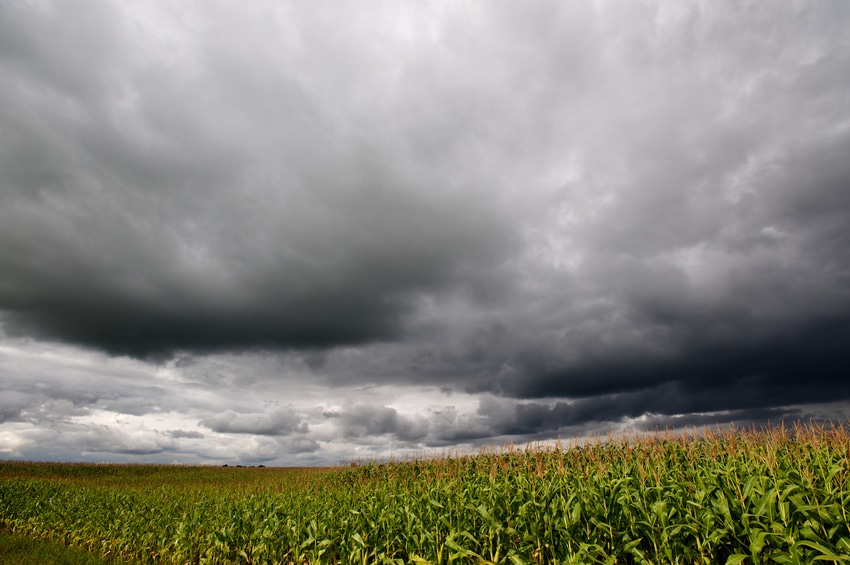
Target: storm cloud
[305,232]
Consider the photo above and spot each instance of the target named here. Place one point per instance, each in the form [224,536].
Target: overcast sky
[310,232]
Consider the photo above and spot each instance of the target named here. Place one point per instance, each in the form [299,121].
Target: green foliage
[20,550]
[770,496]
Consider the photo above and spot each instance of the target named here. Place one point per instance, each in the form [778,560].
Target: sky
[316,232]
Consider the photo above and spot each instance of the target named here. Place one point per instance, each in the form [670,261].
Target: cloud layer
[538,219]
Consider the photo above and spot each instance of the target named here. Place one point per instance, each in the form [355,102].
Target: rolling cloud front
[300,233]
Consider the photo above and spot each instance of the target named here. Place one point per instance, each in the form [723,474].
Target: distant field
[743,496]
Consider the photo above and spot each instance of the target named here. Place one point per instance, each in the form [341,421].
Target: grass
[742,496]
[21,550]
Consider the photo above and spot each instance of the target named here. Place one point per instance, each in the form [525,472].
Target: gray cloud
[276,423]
[364,420]
[185,434]
[569,216]
[12,405]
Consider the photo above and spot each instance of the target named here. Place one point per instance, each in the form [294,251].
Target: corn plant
[741,496]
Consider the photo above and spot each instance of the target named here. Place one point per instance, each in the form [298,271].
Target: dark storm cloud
[810,353]
[582,215]
[666,405]
[146,211]
[775,327]
[746,419]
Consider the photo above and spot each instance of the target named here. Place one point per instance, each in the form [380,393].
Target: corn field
[741,496]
